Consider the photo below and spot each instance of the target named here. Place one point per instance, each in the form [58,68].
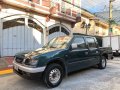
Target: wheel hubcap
[54,76]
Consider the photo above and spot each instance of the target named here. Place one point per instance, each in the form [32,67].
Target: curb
[7,71]
[6,65]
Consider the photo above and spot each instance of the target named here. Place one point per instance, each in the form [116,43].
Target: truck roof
[98,38]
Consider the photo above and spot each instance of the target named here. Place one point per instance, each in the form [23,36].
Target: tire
[103,63]
[53,71]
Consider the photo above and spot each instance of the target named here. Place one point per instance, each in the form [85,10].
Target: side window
[91,42]
[80,43]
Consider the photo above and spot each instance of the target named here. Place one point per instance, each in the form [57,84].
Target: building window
[91,42]
[13,23]
[33,24]
[54,29]
[64,31]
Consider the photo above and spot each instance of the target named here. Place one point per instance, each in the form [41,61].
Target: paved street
[89,79]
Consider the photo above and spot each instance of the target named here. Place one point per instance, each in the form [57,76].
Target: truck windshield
[59,42]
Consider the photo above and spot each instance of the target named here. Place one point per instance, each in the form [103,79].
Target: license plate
[16,67]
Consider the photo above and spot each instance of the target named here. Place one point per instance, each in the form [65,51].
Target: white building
[23,23]
[29,24]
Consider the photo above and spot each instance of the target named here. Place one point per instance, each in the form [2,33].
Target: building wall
[94,29]
[16,38]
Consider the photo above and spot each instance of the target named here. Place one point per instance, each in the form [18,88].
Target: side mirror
[73,46]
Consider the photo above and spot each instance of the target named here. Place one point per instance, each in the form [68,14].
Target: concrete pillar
[45,37]
[45,33]
[26,21]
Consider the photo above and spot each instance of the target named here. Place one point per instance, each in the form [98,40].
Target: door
[77,57]
[94,52]
[20,38]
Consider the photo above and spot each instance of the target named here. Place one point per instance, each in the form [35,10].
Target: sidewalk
[6,65]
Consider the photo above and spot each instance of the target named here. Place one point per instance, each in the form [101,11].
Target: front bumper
[28,69]
[27,72]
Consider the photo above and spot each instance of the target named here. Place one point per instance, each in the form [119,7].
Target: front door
[77,57]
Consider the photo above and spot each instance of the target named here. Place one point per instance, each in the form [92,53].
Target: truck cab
[59,57]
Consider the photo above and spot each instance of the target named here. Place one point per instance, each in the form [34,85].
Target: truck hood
[30,54]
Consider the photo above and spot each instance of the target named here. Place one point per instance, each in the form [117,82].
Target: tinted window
[80,42]
[99,40]
[91,42]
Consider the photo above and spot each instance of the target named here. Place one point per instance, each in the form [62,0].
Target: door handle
[86,53]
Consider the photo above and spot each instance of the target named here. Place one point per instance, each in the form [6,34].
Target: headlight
[33,62]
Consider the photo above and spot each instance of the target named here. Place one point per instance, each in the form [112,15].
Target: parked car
[59,57]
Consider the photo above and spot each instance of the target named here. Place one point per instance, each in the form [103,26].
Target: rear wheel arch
[105,55]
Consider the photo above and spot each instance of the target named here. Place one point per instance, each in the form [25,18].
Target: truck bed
[107,51]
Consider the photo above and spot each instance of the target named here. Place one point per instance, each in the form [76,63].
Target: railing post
[40,2]
[60,5]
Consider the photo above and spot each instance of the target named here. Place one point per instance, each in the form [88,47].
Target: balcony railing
[61,6]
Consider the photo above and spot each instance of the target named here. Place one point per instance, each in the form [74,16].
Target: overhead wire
[101,8]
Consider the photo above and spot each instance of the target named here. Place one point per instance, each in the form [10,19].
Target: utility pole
[110,19]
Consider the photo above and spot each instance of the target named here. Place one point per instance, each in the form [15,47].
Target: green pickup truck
[61,56]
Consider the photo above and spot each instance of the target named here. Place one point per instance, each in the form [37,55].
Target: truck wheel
[53,75]
[102,64]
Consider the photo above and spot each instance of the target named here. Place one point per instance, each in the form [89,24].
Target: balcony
[63,8]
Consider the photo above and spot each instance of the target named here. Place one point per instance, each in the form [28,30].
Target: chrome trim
[28,69]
